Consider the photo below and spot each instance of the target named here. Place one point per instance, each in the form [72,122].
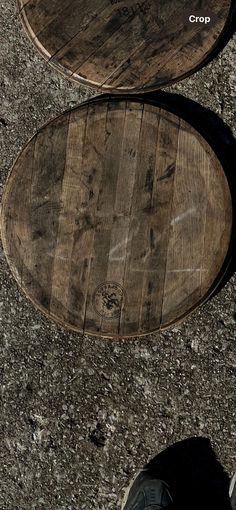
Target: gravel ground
[79,415]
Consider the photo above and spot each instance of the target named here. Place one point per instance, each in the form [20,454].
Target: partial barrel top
[117,218]
[125,45]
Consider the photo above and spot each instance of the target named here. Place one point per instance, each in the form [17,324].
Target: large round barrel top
[117,218]
[125,45]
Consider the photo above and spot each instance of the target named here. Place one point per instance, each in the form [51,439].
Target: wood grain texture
[117,218]
[124,45]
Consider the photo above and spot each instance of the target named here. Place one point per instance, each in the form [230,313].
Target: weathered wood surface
[117,218]
[124,45]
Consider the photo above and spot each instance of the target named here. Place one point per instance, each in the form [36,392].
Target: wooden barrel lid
[125,45]
[117,218]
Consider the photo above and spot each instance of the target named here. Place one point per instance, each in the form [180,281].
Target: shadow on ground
[195,476]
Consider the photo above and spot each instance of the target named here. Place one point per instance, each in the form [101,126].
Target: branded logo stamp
[140,7]
[108,299]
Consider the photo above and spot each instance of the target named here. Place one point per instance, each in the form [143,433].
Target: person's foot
[232,492]
[147,493]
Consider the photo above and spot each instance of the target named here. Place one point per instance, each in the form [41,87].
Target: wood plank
[86,224]
[111,153]
[46,186]
[120,238]
[71,198]
[157,227]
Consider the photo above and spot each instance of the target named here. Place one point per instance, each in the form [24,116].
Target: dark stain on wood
[149,180]
[152,243]
[170,170]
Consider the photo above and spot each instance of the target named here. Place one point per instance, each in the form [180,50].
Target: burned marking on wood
[137,8]
[108,299]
